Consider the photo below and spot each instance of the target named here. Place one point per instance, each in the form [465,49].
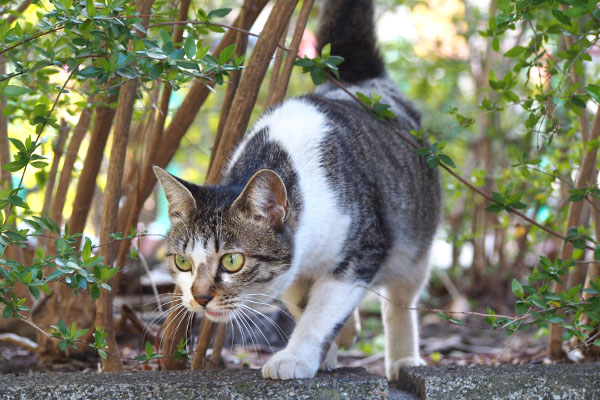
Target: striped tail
[350,28]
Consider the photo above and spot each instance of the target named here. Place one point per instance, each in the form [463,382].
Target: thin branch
[64,181]
[233,28]
[31,38]
[416,145]
[284,78]
[62,89]
[58,150]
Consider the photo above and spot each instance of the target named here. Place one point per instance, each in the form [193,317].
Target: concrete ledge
[346,383]
[563,381]
[558,381]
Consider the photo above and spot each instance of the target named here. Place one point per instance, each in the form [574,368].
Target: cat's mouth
[215,314]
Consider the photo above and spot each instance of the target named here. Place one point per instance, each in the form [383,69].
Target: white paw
[393,368]
[330,361]
[284,365]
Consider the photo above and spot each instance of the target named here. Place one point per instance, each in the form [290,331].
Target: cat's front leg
[330,303]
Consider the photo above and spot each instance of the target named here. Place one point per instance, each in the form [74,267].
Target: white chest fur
[299,127]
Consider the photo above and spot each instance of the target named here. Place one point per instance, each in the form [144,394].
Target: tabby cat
[319,203]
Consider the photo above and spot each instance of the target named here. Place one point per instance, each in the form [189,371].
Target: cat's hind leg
[400,323]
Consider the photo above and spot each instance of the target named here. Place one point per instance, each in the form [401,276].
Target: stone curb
[557,381]
[346,383]
[562,381]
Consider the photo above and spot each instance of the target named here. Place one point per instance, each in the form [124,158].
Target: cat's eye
[182,263]
[232,262]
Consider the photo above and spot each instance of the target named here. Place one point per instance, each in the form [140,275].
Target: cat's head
[228,247]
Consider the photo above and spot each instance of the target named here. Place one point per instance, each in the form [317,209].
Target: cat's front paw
[285,365]
[392,369]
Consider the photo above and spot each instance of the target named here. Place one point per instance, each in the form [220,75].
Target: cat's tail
[350,28]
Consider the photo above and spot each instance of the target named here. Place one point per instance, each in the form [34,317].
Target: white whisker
[270,320]
[257,327]
[272,305]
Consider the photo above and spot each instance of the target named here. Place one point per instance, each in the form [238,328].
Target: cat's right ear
[181,201]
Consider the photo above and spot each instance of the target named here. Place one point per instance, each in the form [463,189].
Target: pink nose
[202,300]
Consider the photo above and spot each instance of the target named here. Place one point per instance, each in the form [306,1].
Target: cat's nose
[203,300]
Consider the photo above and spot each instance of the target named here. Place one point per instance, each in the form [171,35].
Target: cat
[318,204]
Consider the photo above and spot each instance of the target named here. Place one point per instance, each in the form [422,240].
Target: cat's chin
[216,316]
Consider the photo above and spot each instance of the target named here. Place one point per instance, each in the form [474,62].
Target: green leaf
[515,51]
[90,72]
[304,62]
[447,160]
[594,91]
[126,72]
[495,208]
[90,8]
[149,348]
[521,308]
[102,354]
[13,91]
[63,344]
[517,288]
[226,53]
[561,17]
[326,51]
[18,144]
[13,166]
[219,13]
[495,43]
[190,47]
[317,75]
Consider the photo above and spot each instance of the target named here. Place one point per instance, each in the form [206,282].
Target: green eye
[232,262]
[183,263]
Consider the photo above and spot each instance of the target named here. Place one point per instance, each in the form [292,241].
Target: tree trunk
[57,151]
[66,172]
[247,93]
[583,179]
[112,195]
[146,174]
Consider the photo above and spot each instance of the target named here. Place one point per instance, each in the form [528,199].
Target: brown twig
[112,195]
[247,93]
[206,331]
[152,149]
[31,38]
[275,70]
[215,357]
[91,167]
[58,150]
[5,176]
[70,157]
[243,102]
[128,314]
[241,45]
[575,208]
[284,78]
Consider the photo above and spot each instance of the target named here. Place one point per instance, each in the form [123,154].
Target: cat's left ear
[181,201]
[264,197]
